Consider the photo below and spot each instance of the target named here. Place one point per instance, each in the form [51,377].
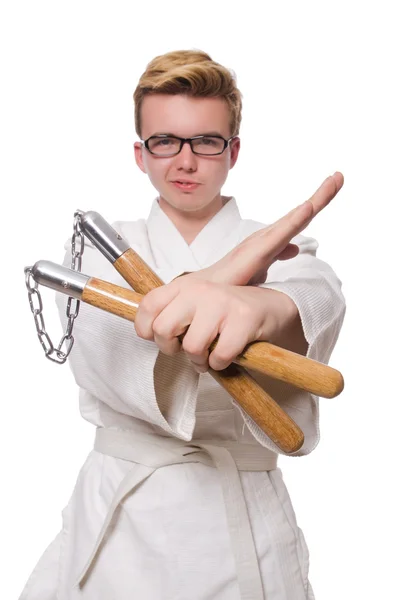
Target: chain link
[62,351]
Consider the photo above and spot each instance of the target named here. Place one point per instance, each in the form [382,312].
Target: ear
[138,150]
[234,151]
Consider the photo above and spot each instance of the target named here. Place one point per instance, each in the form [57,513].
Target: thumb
[260,276]
[290,251]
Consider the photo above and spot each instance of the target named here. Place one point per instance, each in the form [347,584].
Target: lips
[189,181]
[184,184]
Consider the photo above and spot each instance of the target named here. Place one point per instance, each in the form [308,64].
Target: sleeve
[122,373]
[316,290]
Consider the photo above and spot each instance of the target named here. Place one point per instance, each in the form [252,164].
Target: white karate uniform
[145,522]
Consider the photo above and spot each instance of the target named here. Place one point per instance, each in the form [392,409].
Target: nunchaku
[278,363]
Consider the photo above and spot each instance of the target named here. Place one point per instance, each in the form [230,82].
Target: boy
[181,497]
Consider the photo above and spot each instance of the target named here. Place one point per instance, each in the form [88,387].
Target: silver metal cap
[102,235]
[59,278]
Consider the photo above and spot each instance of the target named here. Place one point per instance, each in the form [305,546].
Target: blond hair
[190,72]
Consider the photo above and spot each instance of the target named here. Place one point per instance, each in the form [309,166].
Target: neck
[190,223]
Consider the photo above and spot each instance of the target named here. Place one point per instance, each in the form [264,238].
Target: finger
[202,366]
[199,337]
[150,307]
[260,276]
[169,346]
[282,231]
[173,320]
[259,250]
[326,192]
[289,251]
[232,340]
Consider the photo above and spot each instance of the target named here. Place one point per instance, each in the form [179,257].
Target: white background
[318,80]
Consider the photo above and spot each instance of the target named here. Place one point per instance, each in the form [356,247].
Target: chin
[187,202]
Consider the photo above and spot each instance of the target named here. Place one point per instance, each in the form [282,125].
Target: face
[184,116]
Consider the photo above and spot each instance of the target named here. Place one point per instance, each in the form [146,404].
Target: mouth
[184,184]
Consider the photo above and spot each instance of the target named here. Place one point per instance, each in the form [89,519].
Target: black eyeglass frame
[183,141]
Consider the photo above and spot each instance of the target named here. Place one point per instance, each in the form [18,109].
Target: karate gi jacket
[144,522]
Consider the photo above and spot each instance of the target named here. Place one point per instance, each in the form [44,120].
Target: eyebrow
[209,133]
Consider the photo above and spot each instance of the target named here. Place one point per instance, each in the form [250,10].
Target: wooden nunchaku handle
[304,373]
[276,362]
[256,402]
[124,302]
[240,385]
[268,415]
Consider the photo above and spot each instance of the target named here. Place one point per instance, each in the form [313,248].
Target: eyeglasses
[170,145]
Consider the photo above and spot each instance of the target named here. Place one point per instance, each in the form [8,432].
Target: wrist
[286,314]
[285,329]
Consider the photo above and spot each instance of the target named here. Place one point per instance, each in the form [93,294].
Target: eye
[209,141]
[208,145]
[162,141]
[163,146]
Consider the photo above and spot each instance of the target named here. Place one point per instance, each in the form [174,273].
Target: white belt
[155,451]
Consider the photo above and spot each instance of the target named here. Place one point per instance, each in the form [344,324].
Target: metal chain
[62,351]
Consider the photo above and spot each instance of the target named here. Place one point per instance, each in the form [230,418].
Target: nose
[186,160]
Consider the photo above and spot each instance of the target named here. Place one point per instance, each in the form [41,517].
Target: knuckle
[242,311]
[148,304]
[143,333]
[161,330]
[222,356]
[193,348]
[202,286]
